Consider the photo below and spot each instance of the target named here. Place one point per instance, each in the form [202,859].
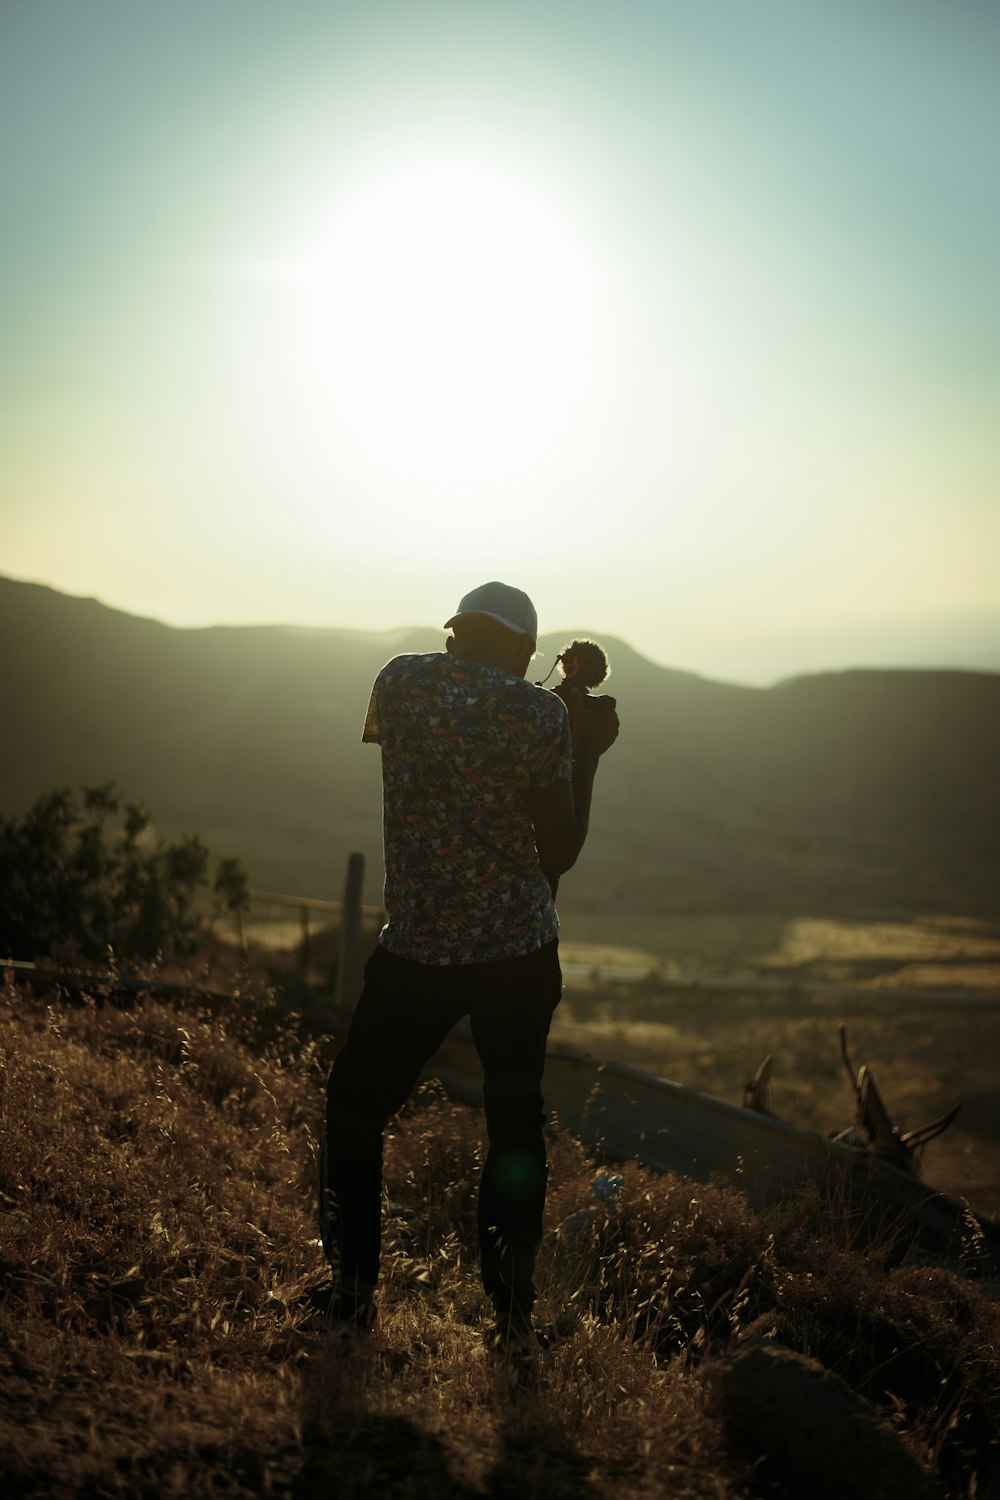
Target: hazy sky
[682,316]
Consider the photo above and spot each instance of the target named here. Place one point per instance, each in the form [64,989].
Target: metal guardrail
[629,1114]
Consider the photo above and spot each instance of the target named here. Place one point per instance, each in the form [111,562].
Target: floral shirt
[462,743]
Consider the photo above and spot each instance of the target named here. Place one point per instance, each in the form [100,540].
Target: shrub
[80,874]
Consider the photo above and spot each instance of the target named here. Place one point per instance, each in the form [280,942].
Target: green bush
[80,873]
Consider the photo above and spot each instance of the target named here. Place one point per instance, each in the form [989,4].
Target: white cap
[510,607]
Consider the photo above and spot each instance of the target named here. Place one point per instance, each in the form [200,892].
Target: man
[486,792]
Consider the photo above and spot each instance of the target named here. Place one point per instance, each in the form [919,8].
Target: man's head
[495,624]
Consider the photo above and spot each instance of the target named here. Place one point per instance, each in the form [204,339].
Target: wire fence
[297,934]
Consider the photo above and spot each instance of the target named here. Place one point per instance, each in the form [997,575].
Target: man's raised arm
[561,812]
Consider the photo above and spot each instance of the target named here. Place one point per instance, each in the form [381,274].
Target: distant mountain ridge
[860,792]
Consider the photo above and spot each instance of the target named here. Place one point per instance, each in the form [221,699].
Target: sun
[441,314]
[450,317]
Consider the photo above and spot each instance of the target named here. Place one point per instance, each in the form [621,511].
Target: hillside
[151,1347]
[861,792]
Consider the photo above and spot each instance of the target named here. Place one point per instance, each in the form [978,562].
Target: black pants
[403,1015]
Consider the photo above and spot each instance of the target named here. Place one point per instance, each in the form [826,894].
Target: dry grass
[157,1168]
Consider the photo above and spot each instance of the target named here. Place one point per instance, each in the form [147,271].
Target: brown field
[926,1057]
[710,997]
[950,950]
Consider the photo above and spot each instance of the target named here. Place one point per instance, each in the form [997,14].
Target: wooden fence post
[350,961]
[304,960]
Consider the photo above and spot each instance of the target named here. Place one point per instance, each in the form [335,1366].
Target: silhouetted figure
[487,783]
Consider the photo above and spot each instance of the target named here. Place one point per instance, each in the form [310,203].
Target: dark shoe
[513,1333]
[346,1313]
[517,1333]
[327,1308]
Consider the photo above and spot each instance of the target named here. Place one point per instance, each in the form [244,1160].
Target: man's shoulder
[535,694]
[409,664]
[411,659]
[402,677]
[539,700]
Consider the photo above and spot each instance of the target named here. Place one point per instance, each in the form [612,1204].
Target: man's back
[463,743]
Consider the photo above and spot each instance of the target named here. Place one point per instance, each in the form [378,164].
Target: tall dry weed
[157,1170]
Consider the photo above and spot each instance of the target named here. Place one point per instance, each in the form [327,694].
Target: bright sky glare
[681,316]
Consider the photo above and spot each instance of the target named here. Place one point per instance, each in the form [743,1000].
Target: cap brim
[485,614]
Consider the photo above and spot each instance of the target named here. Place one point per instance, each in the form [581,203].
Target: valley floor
[703,999]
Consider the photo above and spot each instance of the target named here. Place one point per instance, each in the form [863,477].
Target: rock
[814,1435]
